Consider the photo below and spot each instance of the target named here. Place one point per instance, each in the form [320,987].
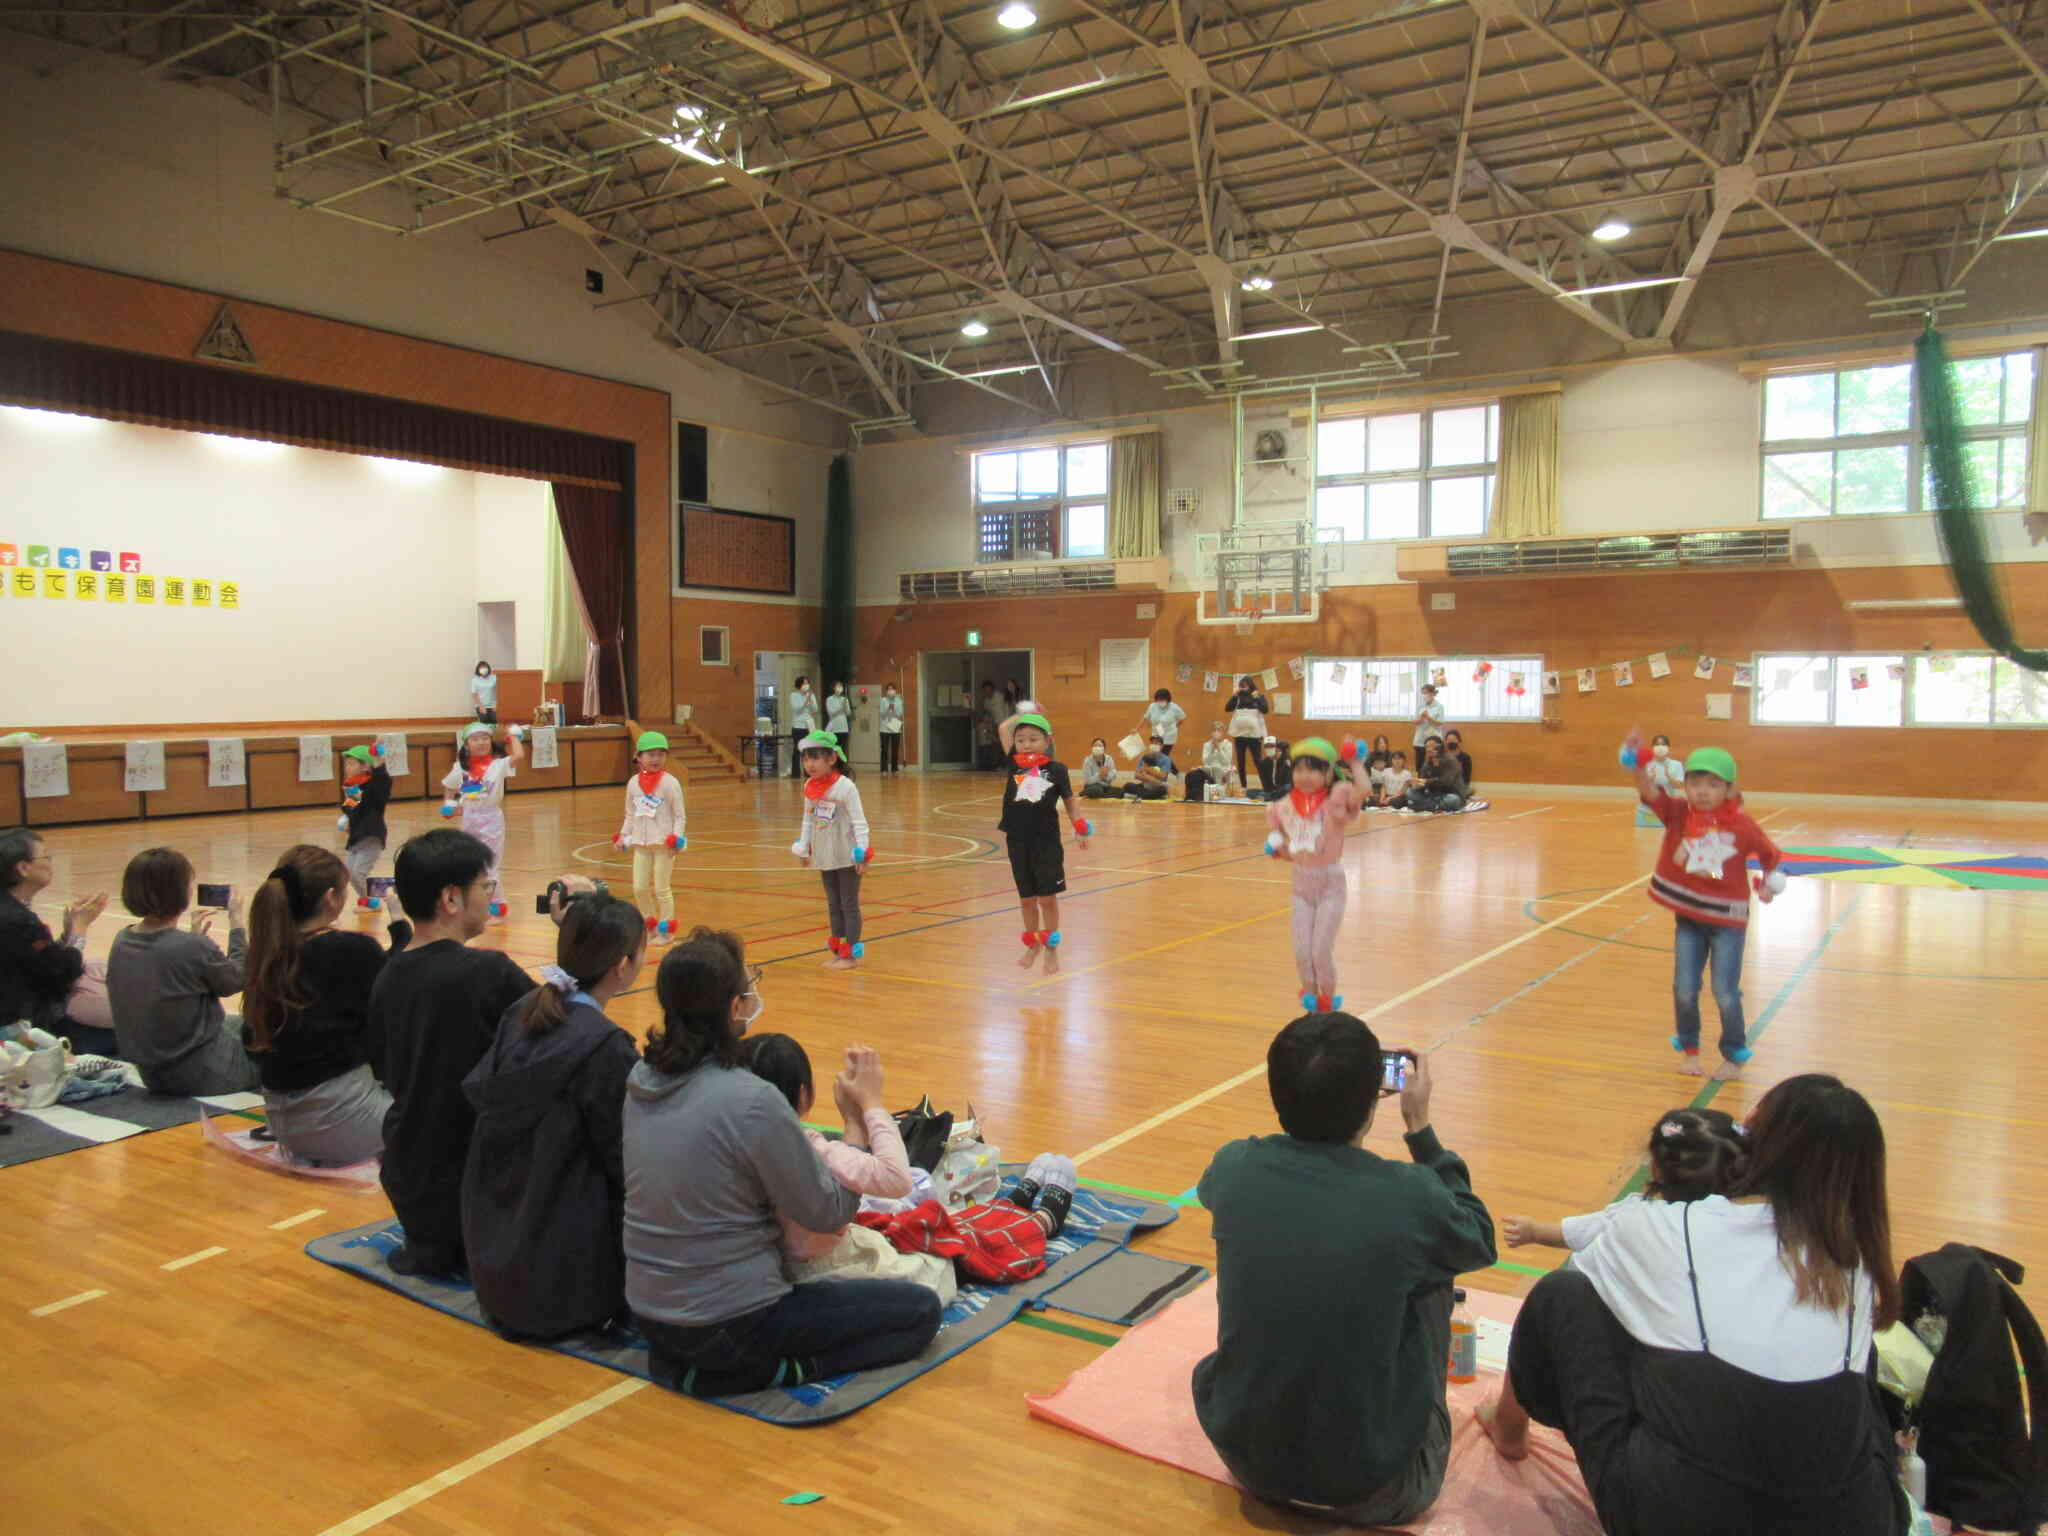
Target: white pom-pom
[1775,881]
[798,849]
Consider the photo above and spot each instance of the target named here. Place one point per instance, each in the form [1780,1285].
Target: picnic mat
[1126,1287]
[40,1133]
[1098,1227]
[1139,1397]
[243,1142]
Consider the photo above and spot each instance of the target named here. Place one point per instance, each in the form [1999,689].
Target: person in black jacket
[544,1186]
[366,791]
[1454,744]
[436,1008]
[306,1012]
[1247,709]
[46,979]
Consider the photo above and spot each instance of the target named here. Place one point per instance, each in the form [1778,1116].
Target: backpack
[1983,1467]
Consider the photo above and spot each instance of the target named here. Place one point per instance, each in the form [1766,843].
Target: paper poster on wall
[202,592]
[316,759]
[1296,666]
[117,587]
[1552,684]
[142,767]
[394,755]
[1209,683]
[1372,684]
[1720,706]
[227,763]
[1745,676]
[1515,687]
[1283,703]
[1895,671]
[1338,673]
[545,747]
[45,770]
[85,586]
[230,595]
[1184,673]
[1820,680]
[1859,679]
[1439,677]
[1270,678]
[1624,674]
[1587,680]
[101,560]
[1482,672]
[10,554]
[56,583]
[174,591]
[1660,664]
[39,555]
[1703,669]
[1125,670]
[145,589]
[1941,663]
[131,562]
[22,583]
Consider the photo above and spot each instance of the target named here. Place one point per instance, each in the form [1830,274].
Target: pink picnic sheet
[1138,1397]
[362,1178]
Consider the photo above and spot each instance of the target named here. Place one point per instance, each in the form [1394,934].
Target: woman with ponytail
[544,1188]
[305,1011]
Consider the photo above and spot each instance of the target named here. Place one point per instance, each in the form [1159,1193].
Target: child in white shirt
[1693,1153]
[833,840]
[476,787]
[653,829]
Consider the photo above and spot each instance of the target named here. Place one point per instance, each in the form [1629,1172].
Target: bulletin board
[736,551]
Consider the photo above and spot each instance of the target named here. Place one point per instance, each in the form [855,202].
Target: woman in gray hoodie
[714,1157]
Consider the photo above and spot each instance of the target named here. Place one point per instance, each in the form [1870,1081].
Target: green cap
[821,741]
[650,741]
[1040,721]
[1714,760]
[1315,747]
[474,728]
[360,754]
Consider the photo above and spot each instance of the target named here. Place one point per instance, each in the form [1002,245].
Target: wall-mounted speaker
[693,462]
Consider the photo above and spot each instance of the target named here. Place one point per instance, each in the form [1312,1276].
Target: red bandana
[650,780]
[1699,823]
[356,774]
[479,766]
[1031,759]
[1307,807]
[820,787]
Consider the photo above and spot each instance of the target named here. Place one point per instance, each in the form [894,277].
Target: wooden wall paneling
[561,776]
[723,697]
[602,760]
[96,794]
[274,776]
[185,789]
[518,696]
[12,805]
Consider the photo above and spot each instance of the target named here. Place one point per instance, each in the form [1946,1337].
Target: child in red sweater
[1703,877]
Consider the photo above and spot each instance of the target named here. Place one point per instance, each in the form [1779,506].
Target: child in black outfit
[1032,796]
[366,791]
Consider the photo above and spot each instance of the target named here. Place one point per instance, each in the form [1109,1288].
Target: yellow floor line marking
[293,1221]
[1196,1102]
[1537,812]
[419,1492]
[69,1301]
[193,1258]
[1139,954]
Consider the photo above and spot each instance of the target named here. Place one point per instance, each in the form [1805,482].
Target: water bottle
[1912,1470]
[1464,1361]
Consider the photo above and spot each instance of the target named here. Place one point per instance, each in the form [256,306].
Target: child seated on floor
[1694,1153]
[1391,784]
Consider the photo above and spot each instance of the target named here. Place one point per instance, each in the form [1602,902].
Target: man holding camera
[1334,1269]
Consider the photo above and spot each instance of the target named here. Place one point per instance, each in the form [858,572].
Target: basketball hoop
[1247,621]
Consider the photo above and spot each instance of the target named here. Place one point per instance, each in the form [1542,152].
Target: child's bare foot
[1029,958]
[1052,960]
[1728,1072]
[1689,1063]
[838,963]
[1511,1442]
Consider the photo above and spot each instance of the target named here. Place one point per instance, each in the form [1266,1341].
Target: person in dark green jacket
[1334,1270]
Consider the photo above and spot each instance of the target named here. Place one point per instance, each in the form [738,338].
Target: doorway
[951,682]
[497,635]
[775,675]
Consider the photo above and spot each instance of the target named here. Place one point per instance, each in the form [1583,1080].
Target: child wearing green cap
[1703,876]
[1033,792]
[365,791]
[653,829]
[1307,828]
[833,840]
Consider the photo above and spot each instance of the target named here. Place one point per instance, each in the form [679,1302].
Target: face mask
[1660,750]
[760,1007]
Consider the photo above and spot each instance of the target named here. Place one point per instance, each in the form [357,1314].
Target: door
[864,746]
[947,682]
[497,635]
[789,666]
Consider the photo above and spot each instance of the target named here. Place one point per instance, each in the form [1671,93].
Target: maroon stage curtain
[210,397]
[594,530]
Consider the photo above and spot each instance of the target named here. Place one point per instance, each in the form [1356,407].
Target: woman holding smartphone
[166,982]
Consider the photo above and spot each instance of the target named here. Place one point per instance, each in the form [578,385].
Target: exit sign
[974,637]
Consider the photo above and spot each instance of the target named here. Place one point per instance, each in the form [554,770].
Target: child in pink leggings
[1308,828]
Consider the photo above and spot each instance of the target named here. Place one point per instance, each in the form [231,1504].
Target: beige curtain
[1134,496]
[1525,499]
[2037,439]
[567,648]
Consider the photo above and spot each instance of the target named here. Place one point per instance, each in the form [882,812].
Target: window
[1868,690]
[1042,503]
[1407,475]
[1847,441]
[1380,688]
[714,645]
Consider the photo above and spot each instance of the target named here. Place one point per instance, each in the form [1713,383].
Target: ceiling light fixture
[974,328]
[1017,16]
[1611,228]
[996,373]
[1632,283]
[1278,330]
[2023,234]
[1256,281]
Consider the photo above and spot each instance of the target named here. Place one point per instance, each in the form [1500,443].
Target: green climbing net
[1955,502]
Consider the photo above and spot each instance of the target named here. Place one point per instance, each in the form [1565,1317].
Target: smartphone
[215,895]
[1394,1070]
[381,885]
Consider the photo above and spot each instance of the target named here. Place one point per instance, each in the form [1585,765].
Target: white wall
[513,523]
[359,577]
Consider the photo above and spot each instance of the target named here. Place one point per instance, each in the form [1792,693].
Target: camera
[571,892]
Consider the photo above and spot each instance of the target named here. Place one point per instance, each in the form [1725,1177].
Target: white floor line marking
[293,1221]
[1537,812]
[193,1258]
[69,1301]
[1198,1100]
[419,1492]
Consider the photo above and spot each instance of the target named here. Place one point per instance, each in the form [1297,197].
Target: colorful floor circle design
[1921,866]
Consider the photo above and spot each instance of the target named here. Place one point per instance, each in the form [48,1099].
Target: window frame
[724,632]
[1424,476]
[1907,437]
[1908,721]
[1532,668]
[1056,506]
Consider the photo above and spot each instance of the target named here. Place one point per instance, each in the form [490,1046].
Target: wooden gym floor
[257,1389]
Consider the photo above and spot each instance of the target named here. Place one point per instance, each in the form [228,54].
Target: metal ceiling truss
[822,209]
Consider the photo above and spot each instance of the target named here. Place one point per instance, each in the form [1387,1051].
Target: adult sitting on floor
[1153,775]
[1454,746]
[1440,781]
[715,1158]
[1215,778]
[1333,1281]
[1707,1360]
[46,980]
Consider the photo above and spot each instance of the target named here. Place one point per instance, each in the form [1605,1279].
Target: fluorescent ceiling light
[974,328]
[1632,283]
[1017,16]
[245,447]
[1611,228]
[692,128]
[60,421]
[991,373]
[731,26]
[1903,604]
[2023,234]
[1256,281]
[1278,330]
